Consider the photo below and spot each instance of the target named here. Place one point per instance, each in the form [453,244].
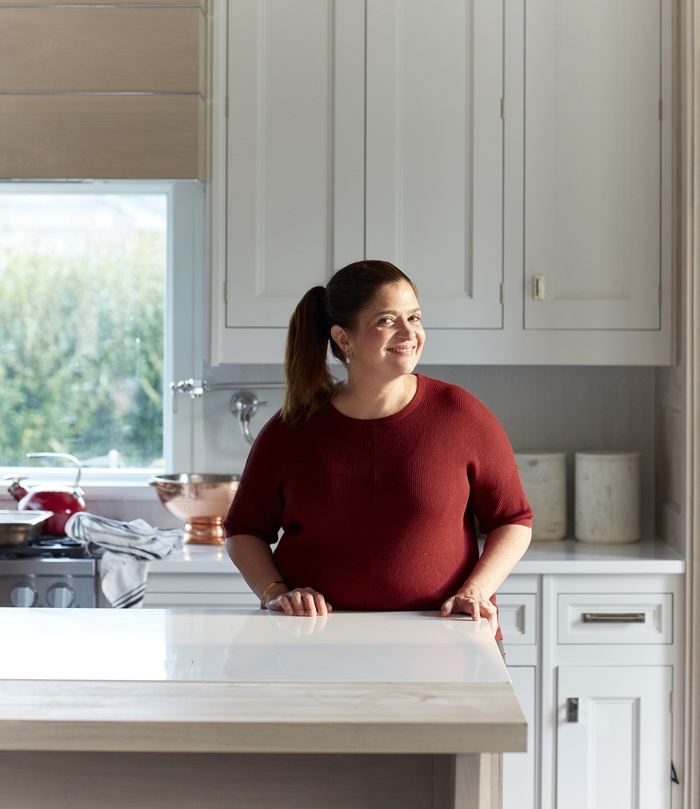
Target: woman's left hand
[300,601]
[472,601]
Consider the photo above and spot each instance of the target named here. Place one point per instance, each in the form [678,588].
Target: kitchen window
[99,289]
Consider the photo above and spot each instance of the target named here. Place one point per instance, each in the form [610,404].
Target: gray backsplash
[555,408]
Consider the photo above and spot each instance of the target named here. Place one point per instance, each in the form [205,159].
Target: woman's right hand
[300,601]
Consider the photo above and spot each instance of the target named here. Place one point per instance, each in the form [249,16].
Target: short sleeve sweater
[379,514]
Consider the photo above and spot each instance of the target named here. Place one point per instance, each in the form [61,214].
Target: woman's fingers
[476,608]
[301,601]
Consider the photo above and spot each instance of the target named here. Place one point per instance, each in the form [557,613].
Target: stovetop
[45,547]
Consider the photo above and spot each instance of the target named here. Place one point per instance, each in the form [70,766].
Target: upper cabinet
[595,167]
[513,160]
[102,90]
[352,135]
[294,155]
[434,153]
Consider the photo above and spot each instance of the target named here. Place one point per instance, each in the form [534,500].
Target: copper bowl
[201,501]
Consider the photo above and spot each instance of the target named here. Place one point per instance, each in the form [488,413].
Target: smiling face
[388,337]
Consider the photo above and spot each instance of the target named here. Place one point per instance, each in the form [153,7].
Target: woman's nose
[405,327]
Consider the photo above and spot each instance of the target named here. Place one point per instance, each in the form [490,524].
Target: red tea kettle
[63,501]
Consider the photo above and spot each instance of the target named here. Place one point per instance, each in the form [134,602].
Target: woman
[376,483]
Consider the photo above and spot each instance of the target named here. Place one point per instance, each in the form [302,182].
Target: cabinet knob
[572,709]
[538,287]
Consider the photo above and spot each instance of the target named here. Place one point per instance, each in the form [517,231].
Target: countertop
[566,556]
[210,681]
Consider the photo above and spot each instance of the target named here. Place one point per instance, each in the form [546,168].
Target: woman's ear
[340,336]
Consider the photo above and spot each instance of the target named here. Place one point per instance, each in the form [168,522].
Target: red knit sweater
[379,514]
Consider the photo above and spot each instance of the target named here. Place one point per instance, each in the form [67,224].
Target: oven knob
[60,595]
[23,595]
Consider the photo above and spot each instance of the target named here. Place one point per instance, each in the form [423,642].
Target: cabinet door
[295,154]
[519,768]
[594,185]
[435,152]
[616,753]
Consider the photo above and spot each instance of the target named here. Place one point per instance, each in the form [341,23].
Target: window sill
[107,484]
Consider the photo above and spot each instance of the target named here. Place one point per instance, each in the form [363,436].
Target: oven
[47,572]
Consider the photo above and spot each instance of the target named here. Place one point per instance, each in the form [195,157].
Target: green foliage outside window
[81,347]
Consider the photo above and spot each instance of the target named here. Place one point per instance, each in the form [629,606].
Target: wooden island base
[247,781]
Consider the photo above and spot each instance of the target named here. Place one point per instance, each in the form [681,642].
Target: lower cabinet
[224,590]
[614,737]
[519,769]
[518,615]
[596,663]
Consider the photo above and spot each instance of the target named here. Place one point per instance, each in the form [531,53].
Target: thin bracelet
[267,590]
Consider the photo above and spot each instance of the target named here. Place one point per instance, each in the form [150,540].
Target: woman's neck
[361,400]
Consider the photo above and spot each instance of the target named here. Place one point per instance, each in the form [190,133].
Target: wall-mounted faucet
[244,403]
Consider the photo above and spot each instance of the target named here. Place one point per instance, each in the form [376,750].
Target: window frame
[184,335]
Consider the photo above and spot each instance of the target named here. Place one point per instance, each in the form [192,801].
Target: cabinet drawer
[197,583]
[615,618]
[517,616]
[156,600]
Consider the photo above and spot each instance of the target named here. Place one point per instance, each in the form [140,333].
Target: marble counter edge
[566,556]
[569,556]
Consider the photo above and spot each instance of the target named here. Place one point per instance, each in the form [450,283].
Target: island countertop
[213,681]
[180,708]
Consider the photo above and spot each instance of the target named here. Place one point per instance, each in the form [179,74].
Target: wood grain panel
[102,137]
[101,50]
[247,717]
[184,3]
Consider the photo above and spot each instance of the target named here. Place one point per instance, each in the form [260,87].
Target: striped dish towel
[124,550]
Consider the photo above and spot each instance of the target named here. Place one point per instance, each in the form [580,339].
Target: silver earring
[347,359]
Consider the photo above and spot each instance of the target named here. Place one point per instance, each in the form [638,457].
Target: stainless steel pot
[18,527]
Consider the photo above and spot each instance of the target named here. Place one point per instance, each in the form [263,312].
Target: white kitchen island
[184,708]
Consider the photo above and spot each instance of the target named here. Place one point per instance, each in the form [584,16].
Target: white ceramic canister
[543,475]
[608,496]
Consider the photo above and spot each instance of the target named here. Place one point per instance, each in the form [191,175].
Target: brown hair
[309,382]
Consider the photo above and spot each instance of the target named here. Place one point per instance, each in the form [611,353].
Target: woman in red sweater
[375,483]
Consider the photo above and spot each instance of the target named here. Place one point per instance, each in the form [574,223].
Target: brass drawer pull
[614,618]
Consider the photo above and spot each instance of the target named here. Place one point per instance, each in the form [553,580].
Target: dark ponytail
[307,378]
[309,383]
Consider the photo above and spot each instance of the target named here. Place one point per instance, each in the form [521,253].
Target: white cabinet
[353,134]
[518,617]
[614,737]
[597,661]
[597,117]
[294,155]
[518,170]
[519,769]
[225,589]
[434,152]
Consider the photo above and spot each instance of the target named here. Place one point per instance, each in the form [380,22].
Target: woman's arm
[503,549]
[253,557]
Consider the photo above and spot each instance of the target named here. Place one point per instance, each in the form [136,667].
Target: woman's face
[388,338]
